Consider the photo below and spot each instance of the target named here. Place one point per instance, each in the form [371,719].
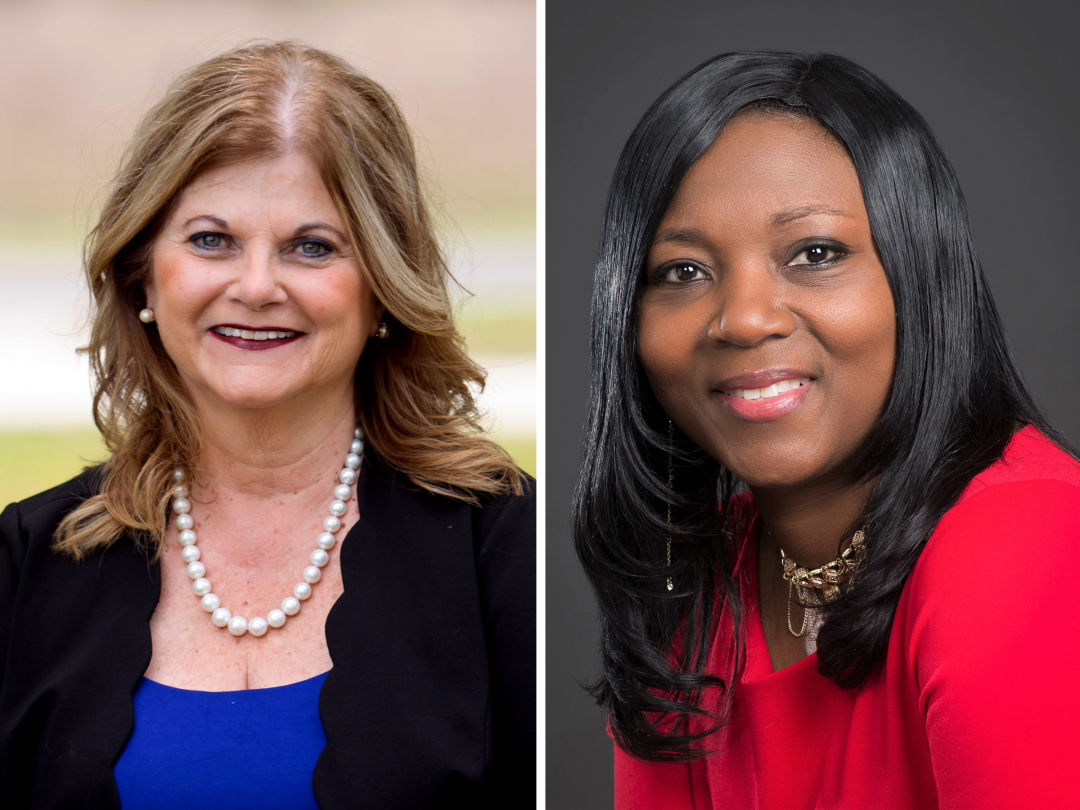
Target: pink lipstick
[764,396]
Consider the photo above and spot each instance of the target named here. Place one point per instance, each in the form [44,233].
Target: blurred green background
[76,77]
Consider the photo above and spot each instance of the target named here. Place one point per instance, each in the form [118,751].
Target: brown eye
[819,254]
[680,273]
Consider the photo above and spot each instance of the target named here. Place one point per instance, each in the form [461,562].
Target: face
[767,328]
[258,297]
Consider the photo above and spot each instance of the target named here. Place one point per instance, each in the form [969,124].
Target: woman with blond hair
[303,578]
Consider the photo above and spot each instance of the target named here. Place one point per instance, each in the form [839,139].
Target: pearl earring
[146,315]
[383,332]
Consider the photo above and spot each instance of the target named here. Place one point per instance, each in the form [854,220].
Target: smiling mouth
[769,391]
[253,334]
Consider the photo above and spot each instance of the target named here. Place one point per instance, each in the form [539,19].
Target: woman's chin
[261,390]
[784,470]
[254,397]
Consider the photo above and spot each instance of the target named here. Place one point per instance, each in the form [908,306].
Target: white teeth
[768,391]
[248,334]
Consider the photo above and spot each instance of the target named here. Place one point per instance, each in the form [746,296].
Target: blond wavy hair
[260,101]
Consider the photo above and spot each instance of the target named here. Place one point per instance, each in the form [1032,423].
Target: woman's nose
[749,307]
[257,284]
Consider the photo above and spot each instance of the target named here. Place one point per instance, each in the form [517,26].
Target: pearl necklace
[290,605]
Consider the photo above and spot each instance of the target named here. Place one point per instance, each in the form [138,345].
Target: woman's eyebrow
[691,236]
[789,215]
[316,226]
[218,221]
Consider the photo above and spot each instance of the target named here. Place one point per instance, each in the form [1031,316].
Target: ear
[378,312]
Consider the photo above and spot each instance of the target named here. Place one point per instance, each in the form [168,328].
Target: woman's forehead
[771,167]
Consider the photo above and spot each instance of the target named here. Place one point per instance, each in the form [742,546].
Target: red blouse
[977,704]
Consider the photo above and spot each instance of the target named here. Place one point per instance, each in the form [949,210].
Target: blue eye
[209,240]
[313,248]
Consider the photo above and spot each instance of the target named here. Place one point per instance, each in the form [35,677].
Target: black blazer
[431,698]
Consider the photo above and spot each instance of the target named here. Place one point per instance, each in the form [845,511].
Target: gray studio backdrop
[996,81]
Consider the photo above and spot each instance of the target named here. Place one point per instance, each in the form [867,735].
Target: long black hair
[955,401]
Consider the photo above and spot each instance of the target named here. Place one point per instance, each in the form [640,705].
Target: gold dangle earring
[670,485]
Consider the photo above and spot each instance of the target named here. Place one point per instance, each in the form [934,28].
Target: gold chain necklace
[815,587]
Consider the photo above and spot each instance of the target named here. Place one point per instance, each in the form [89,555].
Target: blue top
[254,748]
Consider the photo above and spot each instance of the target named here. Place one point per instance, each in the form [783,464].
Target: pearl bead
[357,446]
[359,434]
[187,537]
[347,476]
[178,475]
[337,508]
[184,522]
[211,602]
[343,492]
[290,605]
[189,554]
[257,626]
[319,557]
[302,591]
[238,625]
[201,586]
[276,618]
[331,523]
[352,461]
[312,574]
[325,541]
[181,506]
[180,491]
[195,569]
[221,616]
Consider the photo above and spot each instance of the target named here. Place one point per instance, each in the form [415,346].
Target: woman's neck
[810,525]
[263,453]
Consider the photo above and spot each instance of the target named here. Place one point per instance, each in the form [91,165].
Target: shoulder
[1029,456]
[985,625]
[996,570]
[391,493]
[1023,509]
[63,497]
[508,511]
[36,517]
[1032,491]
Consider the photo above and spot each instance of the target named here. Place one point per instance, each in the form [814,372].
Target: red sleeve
[995,645]
[643,785]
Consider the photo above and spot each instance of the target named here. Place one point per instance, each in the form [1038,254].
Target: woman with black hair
[827,527]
